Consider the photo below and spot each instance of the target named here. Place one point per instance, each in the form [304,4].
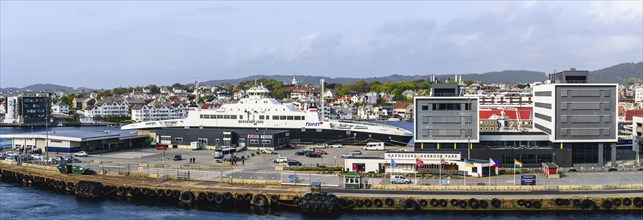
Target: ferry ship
[260,111]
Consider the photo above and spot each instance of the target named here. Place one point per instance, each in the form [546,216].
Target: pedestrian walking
[243,161]
[194,160]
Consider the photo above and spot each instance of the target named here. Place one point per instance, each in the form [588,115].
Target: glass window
[282,117]
[289,117]
[260,117]
[275,117]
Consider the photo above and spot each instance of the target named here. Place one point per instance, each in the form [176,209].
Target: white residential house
[402,110]
[638,94]
[329,94]
[358,99]
[239,94]
[366,113]
[158,112]
[299,93]
[408,94]
[371,97]
[60,108]
[108,109]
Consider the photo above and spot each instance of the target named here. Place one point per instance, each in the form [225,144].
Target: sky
[107,44]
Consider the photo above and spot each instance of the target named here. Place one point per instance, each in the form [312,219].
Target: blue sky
[106,44]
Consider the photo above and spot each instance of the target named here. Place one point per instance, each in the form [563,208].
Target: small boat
[72,169]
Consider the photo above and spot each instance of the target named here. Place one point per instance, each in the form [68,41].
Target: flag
[355,167]
[517,163]
[443,162]
[418,162]
[393,163]
[468,163]
[494,163]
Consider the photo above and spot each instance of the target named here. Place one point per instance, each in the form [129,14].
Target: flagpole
[440,171]
[515,171]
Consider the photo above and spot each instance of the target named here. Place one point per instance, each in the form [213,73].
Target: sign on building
[528,179]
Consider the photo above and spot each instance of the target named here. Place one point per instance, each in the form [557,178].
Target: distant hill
[620,73]
[47,87]
[507,76]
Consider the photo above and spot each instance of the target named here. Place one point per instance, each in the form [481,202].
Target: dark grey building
[28,109]
[215,138]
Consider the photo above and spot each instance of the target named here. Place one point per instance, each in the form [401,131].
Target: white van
[374,146]
[195,145]
[398,179]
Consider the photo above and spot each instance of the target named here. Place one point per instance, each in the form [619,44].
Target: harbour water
[20,202]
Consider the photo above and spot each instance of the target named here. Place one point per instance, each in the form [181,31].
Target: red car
[321,152]
[290,146]
[161,147]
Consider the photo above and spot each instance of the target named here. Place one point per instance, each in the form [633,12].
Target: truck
[196,145]
[374,146]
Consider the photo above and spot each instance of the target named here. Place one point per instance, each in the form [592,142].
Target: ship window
[178,139]
[265,141]
[254,141]
[297,117]
[290,117]
[282,117]
[233,116]
[219,116]
[260,117]
[202,116]
[240,116]
[226,116]
[267,117]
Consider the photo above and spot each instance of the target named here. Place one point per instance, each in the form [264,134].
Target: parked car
[80,154]
[292,162]
[301,152]
[312,154]
[37,157]
[161,147]
[10,159]
[355,152]
[268,151]
[321,152]
[396,179]
[177,157]
[347,155]
[280,160]
[320,146]
[11,154]
[336,146]
[290,146]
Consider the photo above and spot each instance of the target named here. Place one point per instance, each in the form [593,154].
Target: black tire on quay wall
[176,194]
[454,202]
[606,204]
[210,196]
[528,204]
[160,192]
[186,197]
[536,204]
[368,203]
[434,203]
[247,197]
[462,204]
[443,202]
[295,200]
[202,197]
[378,203]
[521,202]
[473,203]
[484,204]
[616,202]
[239,198]
[496,203]
[389,202]
[260,200]
[560,202]
[576,202]
[359,203]
[567,202]
[228,196]
[410,204]
[121,190]
[638,202]
[219,199]
[423,203]
[627,202]
[588,205]
[168,193]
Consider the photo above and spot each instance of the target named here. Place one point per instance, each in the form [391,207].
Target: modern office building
[28,109]
[446,120]
[574,124]
[577,115]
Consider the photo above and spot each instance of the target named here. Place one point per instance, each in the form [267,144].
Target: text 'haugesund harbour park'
[567,143]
